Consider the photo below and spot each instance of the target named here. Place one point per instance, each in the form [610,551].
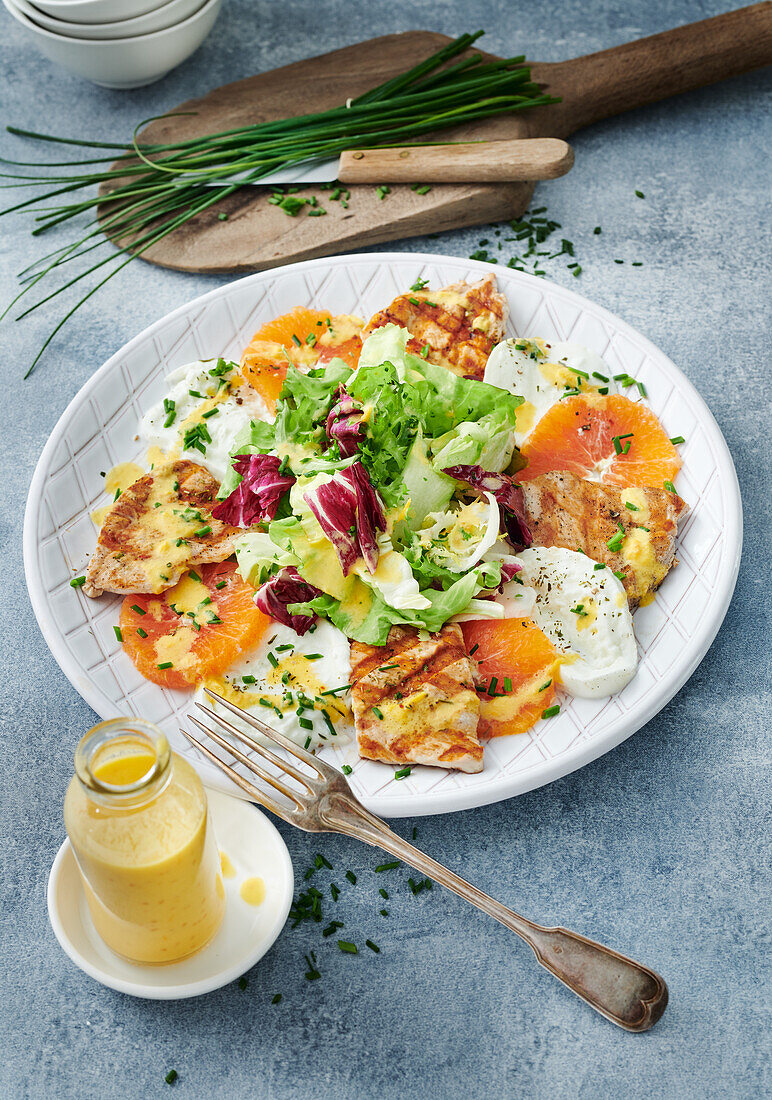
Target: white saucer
[254,847]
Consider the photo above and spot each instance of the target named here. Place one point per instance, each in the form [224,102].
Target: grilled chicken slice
[159,527]
[460,324]
[564,510]
[414,701]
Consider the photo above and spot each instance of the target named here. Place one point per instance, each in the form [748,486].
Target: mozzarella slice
[193,392]
[584,613]
[289,681]
[542,374]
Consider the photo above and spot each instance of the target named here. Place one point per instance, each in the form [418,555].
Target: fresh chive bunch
[157,188]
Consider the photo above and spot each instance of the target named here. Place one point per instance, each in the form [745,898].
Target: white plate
[98,429]
[254,846]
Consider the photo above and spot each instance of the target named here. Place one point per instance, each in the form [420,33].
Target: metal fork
[320,800]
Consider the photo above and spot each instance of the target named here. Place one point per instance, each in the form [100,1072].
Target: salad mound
[379,496]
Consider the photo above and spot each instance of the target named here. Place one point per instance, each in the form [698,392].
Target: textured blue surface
[660,848]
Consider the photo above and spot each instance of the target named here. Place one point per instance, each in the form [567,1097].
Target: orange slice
[303,337]
[177,649]
[524,663]
[578,435]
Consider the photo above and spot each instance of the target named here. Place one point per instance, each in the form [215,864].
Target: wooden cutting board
[258,235]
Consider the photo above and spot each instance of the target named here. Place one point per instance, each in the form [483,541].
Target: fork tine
[259,796]
[279,738]
[255,768]
[284,765]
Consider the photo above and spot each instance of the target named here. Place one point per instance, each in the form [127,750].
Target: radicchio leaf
[344,424]
[508,570]
[350,514]
[508,494]
[285,588]
[256,497]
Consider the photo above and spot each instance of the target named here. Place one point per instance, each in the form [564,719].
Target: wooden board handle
[465,162]
[603,84]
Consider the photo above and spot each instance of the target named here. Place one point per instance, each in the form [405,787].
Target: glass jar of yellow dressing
[137,818]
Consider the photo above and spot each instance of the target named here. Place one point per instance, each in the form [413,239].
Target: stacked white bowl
[117,43]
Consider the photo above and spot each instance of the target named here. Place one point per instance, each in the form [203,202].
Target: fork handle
[624,991]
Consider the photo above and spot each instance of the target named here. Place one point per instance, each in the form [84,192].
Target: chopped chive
[313,656]
[202,532]
[347,769]
[402,773]
[383,191]
[390,866]
[632,507]
[492,685]
[474,649]
[210,412]
[546,684]
[171,1077]
[384,894]
[249,679]
[507,684]
[550,712]
[118,633]
[242,983]
[669,486]
[139,610]
[77,582]
[166,664]
[640,195]
[640,385]
[378,713]
[384,912]
[677,439]
[272,660]
[615,542]
[619,574]
[373,946]
[334,891]
[313,972]
[142,633]
[351,877]
[276,999]
[599,565]
[419,284]
[348,948]
[420,189]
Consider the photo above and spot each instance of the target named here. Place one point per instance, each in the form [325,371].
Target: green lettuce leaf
[488,442]
[258,556]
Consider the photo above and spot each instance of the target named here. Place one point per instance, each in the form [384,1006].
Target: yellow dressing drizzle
[122,476]
[252,890]
[227,868]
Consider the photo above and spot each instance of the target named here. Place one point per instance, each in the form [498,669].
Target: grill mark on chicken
[425,693]
[459,324]
[137,547]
